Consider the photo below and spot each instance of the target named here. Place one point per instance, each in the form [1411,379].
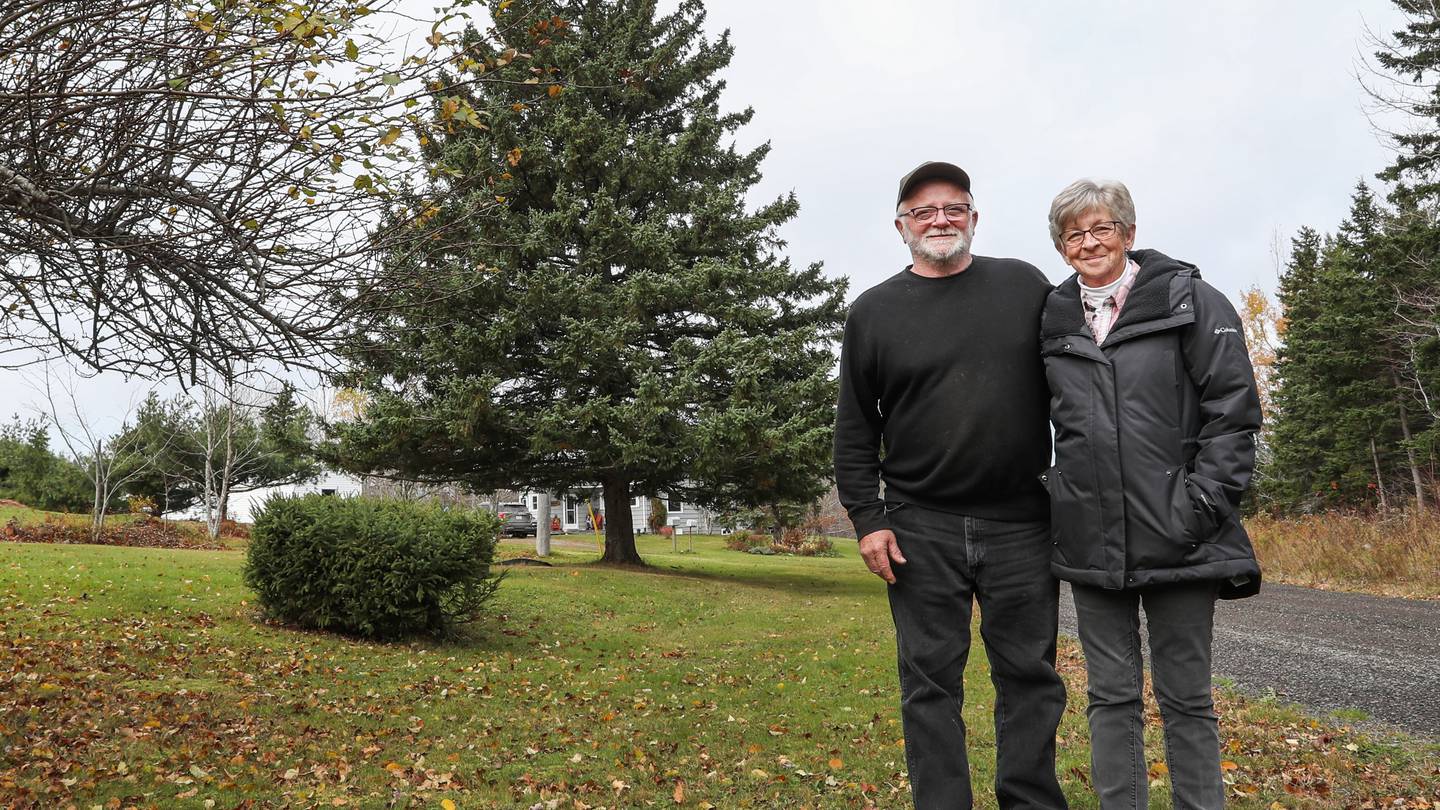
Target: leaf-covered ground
[144,678]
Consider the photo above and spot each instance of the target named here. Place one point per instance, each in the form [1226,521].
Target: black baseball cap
[932,170]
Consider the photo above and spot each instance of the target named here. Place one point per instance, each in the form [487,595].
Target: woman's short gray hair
[1087,194]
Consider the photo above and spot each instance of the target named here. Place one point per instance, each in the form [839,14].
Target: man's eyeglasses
[1101,231]
[926,213]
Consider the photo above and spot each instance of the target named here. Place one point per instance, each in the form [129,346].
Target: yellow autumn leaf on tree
[390,136]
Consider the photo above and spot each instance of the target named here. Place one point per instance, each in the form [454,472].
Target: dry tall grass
[1396,555]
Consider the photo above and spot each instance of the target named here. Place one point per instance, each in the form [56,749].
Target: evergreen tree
[1359,306]
[33,475]
[163,431]
[1357,419]
[1299,425]
[626,320]
[287,441]
[1343,431]
[1412,56]
[273,444]
[1412,349]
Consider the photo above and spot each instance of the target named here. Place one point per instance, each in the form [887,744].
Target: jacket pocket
[1195,518]
[1067,512]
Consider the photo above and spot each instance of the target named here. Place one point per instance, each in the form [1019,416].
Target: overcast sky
[1231,122]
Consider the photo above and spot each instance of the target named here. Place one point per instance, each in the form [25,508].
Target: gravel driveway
[1328,651]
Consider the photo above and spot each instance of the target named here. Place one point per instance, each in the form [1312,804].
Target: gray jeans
[1179,619]
[953,561]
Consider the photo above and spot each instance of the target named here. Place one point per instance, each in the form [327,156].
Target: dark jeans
[952,560]
[1179,619]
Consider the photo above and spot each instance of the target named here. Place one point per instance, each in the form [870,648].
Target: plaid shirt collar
[1100,318]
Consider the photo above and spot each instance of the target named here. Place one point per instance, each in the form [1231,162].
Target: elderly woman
[1155,410]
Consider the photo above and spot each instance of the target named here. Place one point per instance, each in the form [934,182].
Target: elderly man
[943,399]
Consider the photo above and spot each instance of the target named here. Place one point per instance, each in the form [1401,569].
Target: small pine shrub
[370,567]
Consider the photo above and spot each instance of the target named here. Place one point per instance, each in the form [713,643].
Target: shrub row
[795,541]
[144,532]
[370,567]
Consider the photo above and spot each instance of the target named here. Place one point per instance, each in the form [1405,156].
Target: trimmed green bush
[370,567]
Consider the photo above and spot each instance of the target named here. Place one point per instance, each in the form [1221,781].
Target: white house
[575,508]
[244,505]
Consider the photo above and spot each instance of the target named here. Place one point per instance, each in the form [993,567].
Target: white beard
[921,248]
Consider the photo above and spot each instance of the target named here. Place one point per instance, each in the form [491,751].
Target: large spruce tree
[1299,424]
[627,320]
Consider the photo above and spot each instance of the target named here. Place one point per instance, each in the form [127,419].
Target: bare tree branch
[184,185]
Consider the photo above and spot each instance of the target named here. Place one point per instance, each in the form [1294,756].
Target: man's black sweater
[945,374]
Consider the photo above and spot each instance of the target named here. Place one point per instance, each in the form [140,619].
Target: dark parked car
[519,524]
[505,510]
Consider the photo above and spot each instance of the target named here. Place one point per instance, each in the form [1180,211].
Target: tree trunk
[228,470]
[1379,483]
[212,497]
[97,515]
[542,527]
[619,524]
[1409,448]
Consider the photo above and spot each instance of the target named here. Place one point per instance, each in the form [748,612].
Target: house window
[534,503]
[673,504]
[327,492]
[635,501]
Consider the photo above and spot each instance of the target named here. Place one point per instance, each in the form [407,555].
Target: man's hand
[880,549]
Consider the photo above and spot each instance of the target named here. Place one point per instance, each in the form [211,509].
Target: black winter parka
[1154,435]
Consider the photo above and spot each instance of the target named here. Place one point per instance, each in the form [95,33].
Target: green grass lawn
[144,677]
